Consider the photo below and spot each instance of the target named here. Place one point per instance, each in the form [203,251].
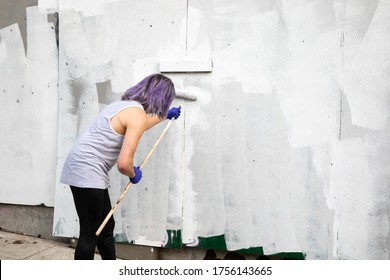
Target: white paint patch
[88,8]
[260,49]
[101,43]
[365,87]
[40,103]
[176,47]
[186,66]
[143,67]
[310,101]
[350,177]
[65,220]
[246,57]
[308,93]
[28,92]
[73,37]
[198,42]
[50,6]
[306,20]
[227,62]
[190,227]
[3,50]
[197,201]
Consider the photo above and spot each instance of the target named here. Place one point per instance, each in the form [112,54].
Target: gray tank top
[96,151]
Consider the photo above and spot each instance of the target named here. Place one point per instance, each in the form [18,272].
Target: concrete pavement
[21,247]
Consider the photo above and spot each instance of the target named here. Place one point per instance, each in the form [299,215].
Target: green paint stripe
[219,243]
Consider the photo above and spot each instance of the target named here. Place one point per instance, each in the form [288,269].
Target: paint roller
[185,95]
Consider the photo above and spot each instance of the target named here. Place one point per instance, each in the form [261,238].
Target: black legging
[92,206]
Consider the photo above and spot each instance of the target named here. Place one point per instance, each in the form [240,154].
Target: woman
[112,138]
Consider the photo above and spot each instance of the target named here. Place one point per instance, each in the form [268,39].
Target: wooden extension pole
[129,184]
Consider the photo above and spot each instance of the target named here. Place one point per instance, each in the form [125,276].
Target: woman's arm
[135,122]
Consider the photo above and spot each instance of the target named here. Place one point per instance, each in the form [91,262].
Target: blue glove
[174,113]
[138,175]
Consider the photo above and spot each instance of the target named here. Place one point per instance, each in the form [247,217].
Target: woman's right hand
[174,113]
[138,175]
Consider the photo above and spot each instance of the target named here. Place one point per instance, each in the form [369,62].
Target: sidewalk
[21,247]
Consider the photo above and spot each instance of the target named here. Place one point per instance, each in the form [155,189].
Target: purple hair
[155,93]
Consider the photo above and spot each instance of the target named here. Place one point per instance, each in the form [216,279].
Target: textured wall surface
[28,105]
[286,148]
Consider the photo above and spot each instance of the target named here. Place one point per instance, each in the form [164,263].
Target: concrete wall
[286,148]
[37,221]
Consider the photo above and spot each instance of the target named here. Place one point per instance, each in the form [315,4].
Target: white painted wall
[287,146]
[29,109]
